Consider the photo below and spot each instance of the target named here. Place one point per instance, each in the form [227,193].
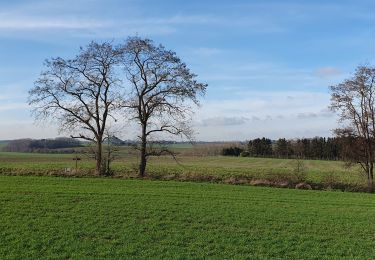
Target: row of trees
[309,148]
[306,148]
[105,83]
[30,145]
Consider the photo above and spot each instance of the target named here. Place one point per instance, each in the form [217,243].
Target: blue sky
[268,64]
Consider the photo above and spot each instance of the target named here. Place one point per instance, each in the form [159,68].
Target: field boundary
[289,181]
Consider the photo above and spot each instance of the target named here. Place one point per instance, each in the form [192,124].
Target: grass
[82,218]
[211,168]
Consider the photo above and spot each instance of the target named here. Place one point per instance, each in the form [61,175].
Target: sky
[268,64]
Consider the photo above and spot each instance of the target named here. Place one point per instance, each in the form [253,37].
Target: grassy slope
[108,218]
[317,171]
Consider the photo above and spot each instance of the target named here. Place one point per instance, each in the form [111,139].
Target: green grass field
[209,168]
[80,218]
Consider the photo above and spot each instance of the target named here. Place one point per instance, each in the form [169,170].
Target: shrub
[232,151]
[245,154]
[299,170]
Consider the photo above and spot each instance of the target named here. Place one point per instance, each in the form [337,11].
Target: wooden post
[76,159]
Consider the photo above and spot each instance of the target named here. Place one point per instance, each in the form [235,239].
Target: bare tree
[80,93]
[354,101]
[163,93]
[111,150]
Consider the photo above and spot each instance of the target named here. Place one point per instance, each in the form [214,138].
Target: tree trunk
[371,178]
[99,159]
[143,159]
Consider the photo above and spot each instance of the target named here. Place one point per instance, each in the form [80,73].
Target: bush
[232,151]
[245,154]
[299,170]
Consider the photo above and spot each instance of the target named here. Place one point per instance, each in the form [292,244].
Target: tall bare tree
[354,100]
[163,93]
[80,93]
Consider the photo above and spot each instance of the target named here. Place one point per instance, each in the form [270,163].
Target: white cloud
[223,121]
[13,106]
[47,15]
[26,129]
[32,23]
[269,114]
[78,15]
[206,52]
[327,72]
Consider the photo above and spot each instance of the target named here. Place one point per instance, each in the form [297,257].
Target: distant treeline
[42,145]
[309,148]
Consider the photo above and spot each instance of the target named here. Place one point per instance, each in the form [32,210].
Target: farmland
[204,168]
[53,217]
